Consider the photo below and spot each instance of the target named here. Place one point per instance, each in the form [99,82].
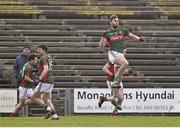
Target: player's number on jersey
[50,64]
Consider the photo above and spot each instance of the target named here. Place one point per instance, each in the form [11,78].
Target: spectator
[19,63]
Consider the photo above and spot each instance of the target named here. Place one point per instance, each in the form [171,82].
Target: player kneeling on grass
[26,84]
[116,90]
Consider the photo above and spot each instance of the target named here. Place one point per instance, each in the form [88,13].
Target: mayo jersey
[26,70]
[111,69]
[46,59]
[116,38]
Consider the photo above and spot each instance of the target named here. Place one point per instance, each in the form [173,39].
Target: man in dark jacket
[20,61]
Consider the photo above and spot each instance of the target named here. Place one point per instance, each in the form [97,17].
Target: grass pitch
[92,121]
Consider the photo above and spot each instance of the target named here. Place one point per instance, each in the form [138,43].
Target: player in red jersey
[26,84]
[116,91]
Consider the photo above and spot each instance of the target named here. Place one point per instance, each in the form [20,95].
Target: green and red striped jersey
[116,38]
[26,70]
[46,59]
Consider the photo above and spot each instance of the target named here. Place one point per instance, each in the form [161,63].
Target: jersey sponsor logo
[116,37]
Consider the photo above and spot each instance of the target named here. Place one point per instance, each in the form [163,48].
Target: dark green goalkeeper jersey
[116,38]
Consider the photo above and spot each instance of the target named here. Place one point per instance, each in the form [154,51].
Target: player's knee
[21,104]
[121,98]
[45,100]
[126,64]
[116,95]
[33,99]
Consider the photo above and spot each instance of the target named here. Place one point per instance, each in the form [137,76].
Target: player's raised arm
[133,36]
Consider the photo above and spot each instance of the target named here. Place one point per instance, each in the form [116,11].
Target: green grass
[92,121]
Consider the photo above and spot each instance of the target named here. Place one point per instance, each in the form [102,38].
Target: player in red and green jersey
[48,77]
[117,94]
[115,37]
[45,82]
[26,84]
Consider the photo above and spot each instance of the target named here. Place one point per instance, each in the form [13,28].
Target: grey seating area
[73,29]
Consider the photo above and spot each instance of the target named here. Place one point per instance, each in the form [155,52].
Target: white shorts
[112,55]
[109,84]
[44,87]
[25,93]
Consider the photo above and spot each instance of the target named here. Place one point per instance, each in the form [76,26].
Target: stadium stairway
[72,31]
